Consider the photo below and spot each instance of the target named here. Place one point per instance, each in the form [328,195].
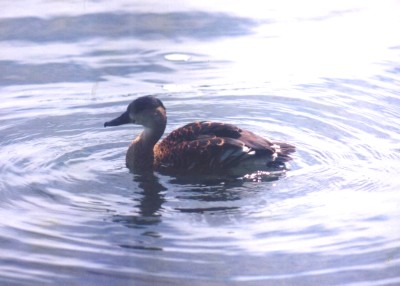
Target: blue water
[322,76]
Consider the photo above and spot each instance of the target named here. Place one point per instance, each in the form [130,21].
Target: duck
[198,147]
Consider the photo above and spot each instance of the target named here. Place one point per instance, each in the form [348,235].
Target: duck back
[212,146]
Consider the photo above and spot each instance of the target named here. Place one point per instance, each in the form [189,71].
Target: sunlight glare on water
[322,76]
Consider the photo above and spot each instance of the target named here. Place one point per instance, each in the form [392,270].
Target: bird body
[199,147]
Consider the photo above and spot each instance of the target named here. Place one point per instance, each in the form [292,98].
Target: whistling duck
[200,147]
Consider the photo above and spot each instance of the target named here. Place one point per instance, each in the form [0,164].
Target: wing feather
[212,145]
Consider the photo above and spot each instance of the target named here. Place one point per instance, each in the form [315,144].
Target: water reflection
[166,27]
[149,204]
[148,214]
[147,26]
[73,72]
[72,212]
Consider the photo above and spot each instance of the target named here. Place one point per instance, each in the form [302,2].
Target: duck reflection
[200,195]
[223,195]
[152,198]
[199,189]
[197,195]
[149,203]
[148,215]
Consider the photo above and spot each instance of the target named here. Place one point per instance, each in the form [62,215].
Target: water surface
[323,77]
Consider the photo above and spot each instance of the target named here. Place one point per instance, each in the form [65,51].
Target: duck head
[146,111]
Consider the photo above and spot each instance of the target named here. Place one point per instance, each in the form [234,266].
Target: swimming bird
[199,147]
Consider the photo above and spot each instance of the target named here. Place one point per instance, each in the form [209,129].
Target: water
[322,76]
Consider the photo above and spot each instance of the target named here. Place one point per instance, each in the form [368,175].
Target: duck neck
[150,136]
[140,155]
[154,129]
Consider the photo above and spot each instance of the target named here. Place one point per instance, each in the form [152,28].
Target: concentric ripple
[72,214]
[69,179]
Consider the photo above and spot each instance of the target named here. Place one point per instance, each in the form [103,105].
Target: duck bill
[122,119]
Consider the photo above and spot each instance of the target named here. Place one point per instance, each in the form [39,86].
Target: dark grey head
[138,111]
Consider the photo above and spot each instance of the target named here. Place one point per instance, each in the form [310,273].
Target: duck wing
[209,146]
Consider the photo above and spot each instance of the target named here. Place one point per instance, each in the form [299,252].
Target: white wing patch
[232,154]
[277,149]
[248,150]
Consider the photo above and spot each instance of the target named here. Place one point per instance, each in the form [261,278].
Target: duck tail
[282,155]
[285,148]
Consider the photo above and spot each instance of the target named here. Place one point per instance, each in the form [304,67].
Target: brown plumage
[200,147]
